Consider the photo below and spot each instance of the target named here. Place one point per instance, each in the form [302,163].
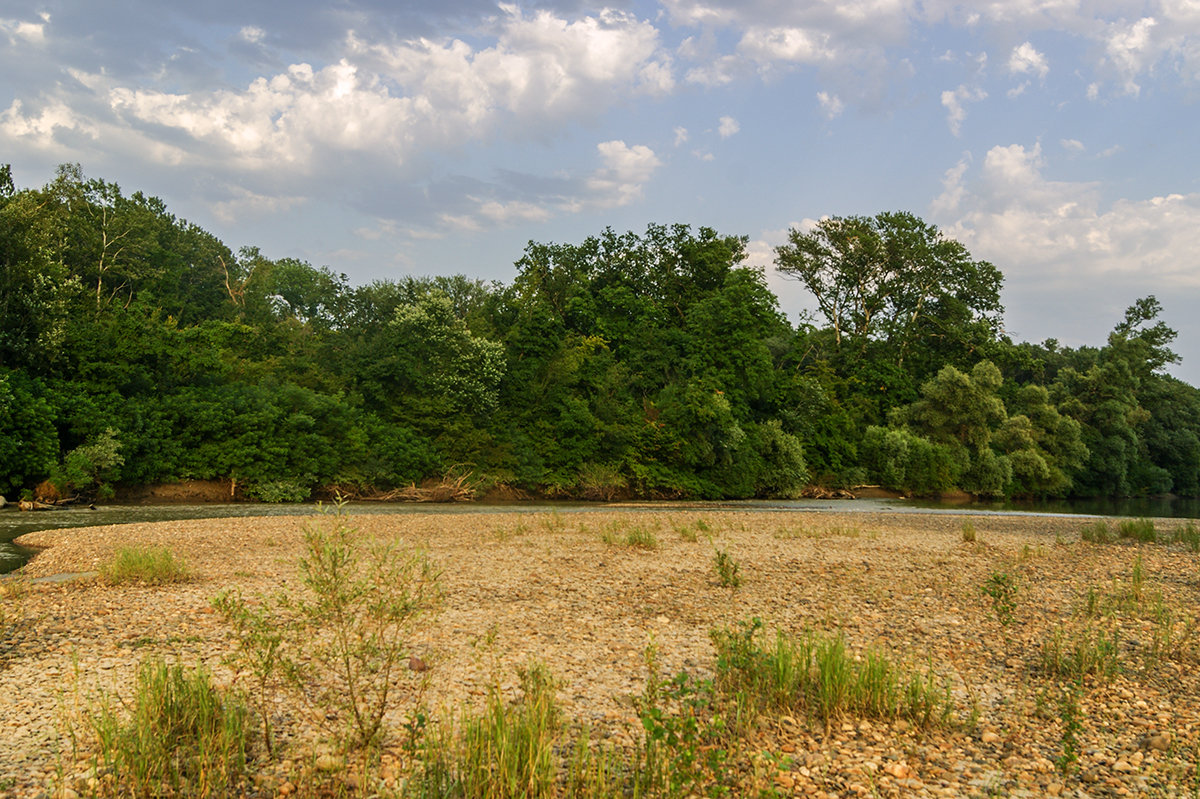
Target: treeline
[136,348]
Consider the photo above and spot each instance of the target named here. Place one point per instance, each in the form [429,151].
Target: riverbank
[567,590]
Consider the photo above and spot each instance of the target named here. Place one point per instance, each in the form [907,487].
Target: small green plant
[1002,589]
[1138,530]
[1137,580]
[1086,652]
[179,736]
[1189,535]
[260,637]
[147,565]
[365,599]
[968,532]
[684,750]
[1068,760]
[727,570]
[1029,552]
[687,533]
[1097,532]
[641,538]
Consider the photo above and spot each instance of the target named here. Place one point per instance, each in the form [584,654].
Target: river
[14,523]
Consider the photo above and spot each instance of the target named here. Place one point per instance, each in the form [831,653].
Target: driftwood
[820,492]
[452,488]
[32,504]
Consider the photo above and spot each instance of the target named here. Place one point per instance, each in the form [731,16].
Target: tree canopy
[137,348]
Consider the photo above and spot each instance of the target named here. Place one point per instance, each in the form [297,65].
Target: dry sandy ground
[550,587]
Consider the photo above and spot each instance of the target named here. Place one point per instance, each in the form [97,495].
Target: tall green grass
[179,735]
[817,673]
[507,752]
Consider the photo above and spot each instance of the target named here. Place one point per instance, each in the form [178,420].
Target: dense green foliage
[136,348]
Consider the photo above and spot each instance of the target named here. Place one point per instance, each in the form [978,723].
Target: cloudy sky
[1059,139]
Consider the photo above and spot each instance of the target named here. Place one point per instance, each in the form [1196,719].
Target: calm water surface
[14,523]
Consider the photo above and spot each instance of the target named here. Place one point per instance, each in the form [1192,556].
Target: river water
[14,523]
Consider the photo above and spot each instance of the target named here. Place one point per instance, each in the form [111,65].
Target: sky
[1057,139]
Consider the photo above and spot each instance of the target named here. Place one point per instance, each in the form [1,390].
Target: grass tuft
[727,570]
[968,532]
[1097,532]
[817,673]
[181,736]
[1086,652]
[148,565]
[1138,530]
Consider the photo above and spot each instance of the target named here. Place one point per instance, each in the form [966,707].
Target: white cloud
[41,127]
[831,104]
[1030,226]
[954,102]
[797,45]
[681,136]
[243,203]
[720,71]
[1026,59]
[626,170]
[1129,49]
[252,34]
[391,102]
[728,127]
[1072,145]
[30,32]
[1017,90]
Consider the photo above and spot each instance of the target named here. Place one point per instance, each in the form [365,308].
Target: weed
[366,599]
[683,736]
[968,532]
[1003,591]
[1029,552]
[686,533]
[727,570]
[1138,529]
[1071,728]
[508,752]
[181,736]
[148,565]
[1137,580]
[1189,535]
[703,526]
[12,594]
[1086,652]
[259,640]
[817,673]
[1097,532]
[641,538]
[517,530]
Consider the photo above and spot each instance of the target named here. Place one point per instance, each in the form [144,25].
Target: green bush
[366,598]
[91,466]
